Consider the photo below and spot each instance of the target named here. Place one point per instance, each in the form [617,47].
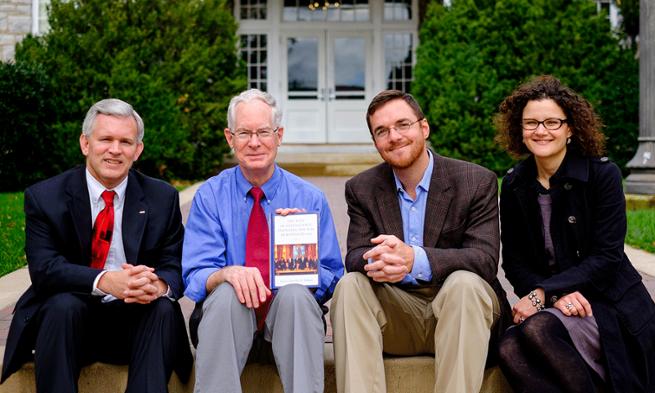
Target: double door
[327,86]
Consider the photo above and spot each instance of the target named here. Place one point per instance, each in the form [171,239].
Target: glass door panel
[349,68]
[349,84]
[302,68]
[304,82]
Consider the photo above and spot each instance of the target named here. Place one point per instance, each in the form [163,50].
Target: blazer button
[572,220]
[568,186]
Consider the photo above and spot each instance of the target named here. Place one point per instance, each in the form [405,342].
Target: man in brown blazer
[422,259]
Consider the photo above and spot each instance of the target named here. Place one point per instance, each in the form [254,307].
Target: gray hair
[251,95]
[112,107]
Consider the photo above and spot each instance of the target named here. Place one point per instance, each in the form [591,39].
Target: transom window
[326,10]
[397,10]
[253,9]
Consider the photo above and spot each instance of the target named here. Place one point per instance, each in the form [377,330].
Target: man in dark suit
[422,259]
[103,246]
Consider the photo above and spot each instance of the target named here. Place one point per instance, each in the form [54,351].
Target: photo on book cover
[295,250]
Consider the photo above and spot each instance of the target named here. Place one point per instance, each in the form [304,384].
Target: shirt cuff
[97,291]
[421,269]
[168,294]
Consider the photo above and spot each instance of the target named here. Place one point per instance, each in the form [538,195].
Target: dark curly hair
[585,125]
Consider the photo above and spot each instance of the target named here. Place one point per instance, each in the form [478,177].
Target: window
[397,10]
[252,9]
[398,60]
[254,54]
[326,10]
[612,10]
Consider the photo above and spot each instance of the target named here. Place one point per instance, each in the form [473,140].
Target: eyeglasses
[551,124]
[262,134]
[401,126]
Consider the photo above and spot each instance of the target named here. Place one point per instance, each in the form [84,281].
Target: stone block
[8,39]
[19,24]
[25,9]
[8,52]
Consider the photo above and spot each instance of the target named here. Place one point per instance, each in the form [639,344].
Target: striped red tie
[102,231]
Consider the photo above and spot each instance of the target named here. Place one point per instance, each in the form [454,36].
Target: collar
[573,167]
[96,188]
[270,187]
[425,180]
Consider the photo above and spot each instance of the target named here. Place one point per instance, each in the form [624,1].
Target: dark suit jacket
[588,226]
[58,245]
[461,223]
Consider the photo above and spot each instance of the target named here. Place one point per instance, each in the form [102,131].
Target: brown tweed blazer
[461,230]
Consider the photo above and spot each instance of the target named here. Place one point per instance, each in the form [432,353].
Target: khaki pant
[369,318]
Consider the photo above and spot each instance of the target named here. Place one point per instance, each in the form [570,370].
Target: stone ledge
[634,201]
[403,374]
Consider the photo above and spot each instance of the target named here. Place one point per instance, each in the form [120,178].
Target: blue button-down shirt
[215,233]
[412,212]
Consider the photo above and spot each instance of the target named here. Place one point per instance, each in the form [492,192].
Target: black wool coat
[588,226]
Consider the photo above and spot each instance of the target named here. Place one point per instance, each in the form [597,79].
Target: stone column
[642,165]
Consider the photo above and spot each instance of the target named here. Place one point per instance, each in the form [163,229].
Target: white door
[326,86]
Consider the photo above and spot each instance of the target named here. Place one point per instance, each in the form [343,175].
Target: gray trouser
[294,326]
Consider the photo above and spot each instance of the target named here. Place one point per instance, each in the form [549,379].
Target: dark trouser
[76,330]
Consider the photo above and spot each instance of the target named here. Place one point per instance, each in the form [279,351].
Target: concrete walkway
[14,284]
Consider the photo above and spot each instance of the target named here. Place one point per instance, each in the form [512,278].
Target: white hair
[112,107]
[251,95]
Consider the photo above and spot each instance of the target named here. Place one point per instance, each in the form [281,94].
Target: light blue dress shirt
[412,212]
[215,233]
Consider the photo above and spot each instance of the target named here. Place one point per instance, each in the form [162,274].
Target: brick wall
[15,23]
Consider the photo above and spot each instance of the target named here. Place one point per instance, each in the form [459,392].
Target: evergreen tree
[176,62]
[474,53]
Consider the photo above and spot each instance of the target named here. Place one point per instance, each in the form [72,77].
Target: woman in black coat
[584,320]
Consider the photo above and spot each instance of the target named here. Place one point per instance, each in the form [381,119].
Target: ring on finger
[569,306]
[521,319]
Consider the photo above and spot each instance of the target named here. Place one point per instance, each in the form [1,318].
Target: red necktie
[257,251]
[102,231]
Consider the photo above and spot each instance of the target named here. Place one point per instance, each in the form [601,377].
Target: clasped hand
[133,284]
[390,260]
[572,304]
[247,282]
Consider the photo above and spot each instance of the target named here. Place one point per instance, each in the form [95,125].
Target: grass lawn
[641,229]
[12,232]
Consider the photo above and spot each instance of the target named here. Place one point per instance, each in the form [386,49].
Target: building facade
[322,59]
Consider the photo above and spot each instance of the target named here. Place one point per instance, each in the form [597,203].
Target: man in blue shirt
[231,295]
[422,259]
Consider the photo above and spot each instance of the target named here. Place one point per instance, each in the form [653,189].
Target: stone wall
[15,23]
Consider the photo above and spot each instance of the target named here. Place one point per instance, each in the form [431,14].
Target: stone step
[403,374]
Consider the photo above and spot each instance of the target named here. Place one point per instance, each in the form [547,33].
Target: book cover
[294,258]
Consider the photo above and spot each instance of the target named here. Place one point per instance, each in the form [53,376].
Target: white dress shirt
[116,257]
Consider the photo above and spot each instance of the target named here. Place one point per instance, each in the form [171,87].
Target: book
[294,250]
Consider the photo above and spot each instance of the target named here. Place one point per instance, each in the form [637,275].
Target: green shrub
[474,53]
[27,112]
[175,62]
